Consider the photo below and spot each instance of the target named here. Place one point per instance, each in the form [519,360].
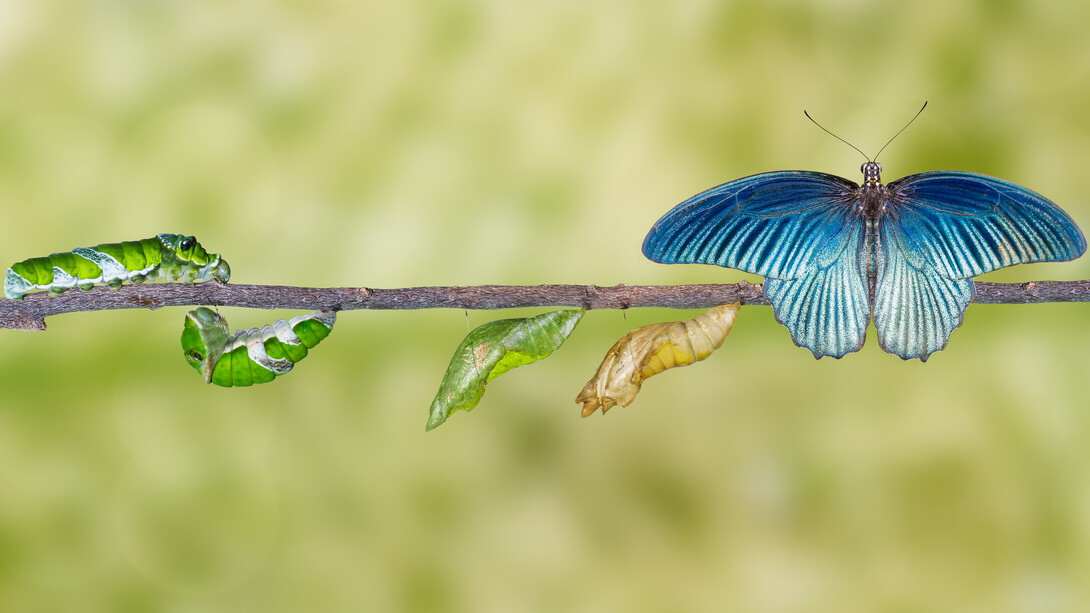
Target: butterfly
[834,253]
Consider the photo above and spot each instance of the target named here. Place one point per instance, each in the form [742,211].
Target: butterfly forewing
[773,224]
[966,224]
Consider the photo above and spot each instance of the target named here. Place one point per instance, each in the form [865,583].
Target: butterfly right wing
[803,231]
[941,228]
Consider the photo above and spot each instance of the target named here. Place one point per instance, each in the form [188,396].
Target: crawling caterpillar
[172,257]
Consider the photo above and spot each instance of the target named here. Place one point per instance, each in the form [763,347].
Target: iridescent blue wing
[915,307]
[772,224]
[938,231]
[827,309]
[803,231]
[965,224]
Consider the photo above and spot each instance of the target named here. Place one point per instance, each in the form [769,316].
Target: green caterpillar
[251,356]
[166,256]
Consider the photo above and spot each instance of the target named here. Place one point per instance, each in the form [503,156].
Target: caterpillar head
[190,255]
[204,338]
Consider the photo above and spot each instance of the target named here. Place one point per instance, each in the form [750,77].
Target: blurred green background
[394,144]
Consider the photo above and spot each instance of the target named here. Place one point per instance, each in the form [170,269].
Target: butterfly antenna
[902,129]
[838,138]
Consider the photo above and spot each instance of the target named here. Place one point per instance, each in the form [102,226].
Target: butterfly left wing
[940,229]
[802,231]
[827,309]
[773,224]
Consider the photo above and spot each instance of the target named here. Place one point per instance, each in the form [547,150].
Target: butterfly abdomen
[872,248]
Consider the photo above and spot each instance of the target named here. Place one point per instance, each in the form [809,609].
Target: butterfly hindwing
[915,307]
[827,310]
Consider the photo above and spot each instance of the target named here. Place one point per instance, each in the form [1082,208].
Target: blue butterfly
[833,252]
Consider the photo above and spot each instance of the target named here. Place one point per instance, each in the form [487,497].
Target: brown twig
[30,312]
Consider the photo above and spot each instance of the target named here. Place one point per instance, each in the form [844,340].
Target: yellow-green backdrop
[408,143]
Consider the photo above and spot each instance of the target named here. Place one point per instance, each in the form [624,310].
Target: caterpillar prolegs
[174,257]
[257,355]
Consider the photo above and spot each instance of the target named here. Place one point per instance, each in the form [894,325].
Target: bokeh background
[392,144]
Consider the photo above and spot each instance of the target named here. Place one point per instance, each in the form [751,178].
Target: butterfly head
[872,173]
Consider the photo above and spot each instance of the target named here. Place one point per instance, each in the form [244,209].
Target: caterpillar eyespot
[246,357]
[172,257]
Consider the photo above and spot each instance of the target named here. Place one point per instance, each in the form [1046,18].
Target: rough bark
[30,312]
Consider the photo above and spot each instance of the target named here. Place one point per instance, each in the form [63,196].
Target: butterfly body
[836,255]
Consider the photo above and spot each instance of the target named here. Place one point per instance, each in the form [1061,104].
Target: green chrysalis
[257,355]
[493,349]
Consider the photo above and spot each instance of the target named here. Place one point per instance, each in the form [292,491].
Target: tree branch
[30,312]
